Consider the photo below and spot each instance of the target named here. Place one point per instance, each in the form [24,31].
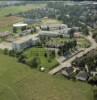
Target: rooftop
[48,33]
[23,39]
[20,25]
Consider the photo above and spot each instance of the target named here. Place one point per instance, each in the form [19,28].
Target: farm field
[17,9]
[7,22]
[46,62]
[19,82]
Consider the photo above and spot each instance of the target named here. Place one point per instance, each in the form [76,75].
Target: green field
[17,9]
[40,53]
[19,82]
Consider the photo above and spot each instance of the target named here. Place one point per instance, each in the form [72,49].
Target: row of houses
[78,74]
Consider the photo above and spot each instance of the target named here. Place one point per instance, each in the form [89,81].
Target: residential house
[82,76]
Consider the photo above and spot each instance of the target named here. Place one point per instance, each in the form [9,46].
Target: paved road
[67,63]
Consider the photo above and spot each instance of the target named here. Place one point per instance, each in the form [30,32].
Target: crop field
[18,9]
[7,22]
[20,82]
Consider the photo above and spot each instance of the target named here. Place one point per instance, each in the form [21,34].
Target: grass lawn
[40,52]
[50,21]
[19,82]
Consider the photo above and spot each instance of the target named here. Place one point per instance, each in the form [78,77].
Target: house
[77,34]
[82,76]
[68,71]
[24,42]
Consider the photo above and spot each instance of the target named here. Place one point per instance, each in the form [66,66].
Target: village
[52,37]
[48,50]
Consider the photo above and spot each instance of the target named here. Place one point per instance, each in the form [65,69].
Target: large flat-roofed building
[24,42]
[55,33]
[52,27]
[48,34]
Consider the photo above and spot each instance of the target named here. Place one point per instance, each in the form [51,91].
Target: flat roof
[48,33]
[23,39]
[20,25]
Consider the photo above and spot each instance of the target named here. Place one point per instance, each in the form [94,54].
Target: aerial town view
[48,50]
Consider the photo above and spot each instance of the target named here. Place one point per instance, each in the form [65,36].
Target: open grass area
[46,62]
[83,43]
[50,21]
[19,82]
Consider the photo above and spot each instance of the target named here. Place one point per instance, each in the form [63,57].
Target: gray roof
[68,71]
[82,75]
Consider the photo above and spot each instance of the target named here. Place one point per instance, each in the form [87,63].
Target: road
[67,63]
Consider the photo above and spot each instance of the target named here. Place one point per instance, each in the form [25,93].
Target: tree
[52,54]
[14,30]
[45,55]
[35,62]
[23,28]
[21,58]
[85,30]
[12,53]
[6,51]
[71,32]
